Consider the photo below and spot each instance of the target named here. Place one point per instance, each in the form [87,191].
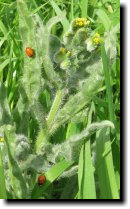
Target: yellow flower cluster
[63,50]
[96,38]
[81,22]
[2,139]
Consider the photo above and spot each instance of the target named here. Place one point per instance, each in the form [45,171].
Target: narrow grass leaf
[86,174]
[108,83]
[5,115]
[39,8]
[84,8]
[72,129]
[51,175]
[104,19]
[3,194]
[86,179]
[72,10]
[58,11]
[5,37]
[4,64]
[3,28]
[104,166]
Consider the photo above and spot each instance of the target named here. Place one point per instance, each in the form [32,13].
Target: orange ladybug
[30,52]
[41,180]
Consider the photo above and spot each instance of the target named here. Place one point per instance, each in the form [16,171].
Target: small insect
[41,180]
[30,52]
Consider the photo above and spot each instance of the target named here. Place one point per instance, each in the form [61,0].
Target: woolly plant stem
[43,135]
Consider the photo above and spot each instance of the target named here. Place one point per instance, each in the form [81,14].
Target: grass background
[104,106]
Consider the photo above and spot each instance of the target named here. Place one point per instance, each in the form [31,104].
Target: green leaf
[86,174]
[72,9]
[5,63]
[70,189]
[104,166]
[5,115]
[78,101]
[5,37]
[51,175]
[17,180]
[58,11]
[54,108]
[3,194]
[84,8]
[104,18]
[87,189]
[31,37]
[52,21]
[108,83]
[3,28]
[72,129]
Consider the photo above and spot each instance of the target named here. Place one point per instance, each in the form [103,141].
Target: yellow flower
[97,35]
[2,139]
[96,39]
[81,22]
[62,50]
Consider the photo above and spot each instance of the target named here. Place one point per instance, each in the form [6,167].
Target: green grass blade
[70,189]
[39,8]
[72,10]
[3,194]
[5,37]
[84,8]
[72,129]
[58,11]
[104,166]
[108,83]
[86,174]
[5,115]
[51,175]
[86,179]
[104,19]
[4,64]
[3,28]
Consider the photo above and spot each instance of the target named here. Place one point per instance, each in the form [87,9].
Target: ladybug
[41,180]
[30,52]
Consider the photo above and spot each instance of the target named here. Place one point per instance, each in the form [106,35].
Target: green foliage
[87,189]
[3,194]
[107,181]
[51,175]
[18,182]
[55,105]
[5,116]
[64,22]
